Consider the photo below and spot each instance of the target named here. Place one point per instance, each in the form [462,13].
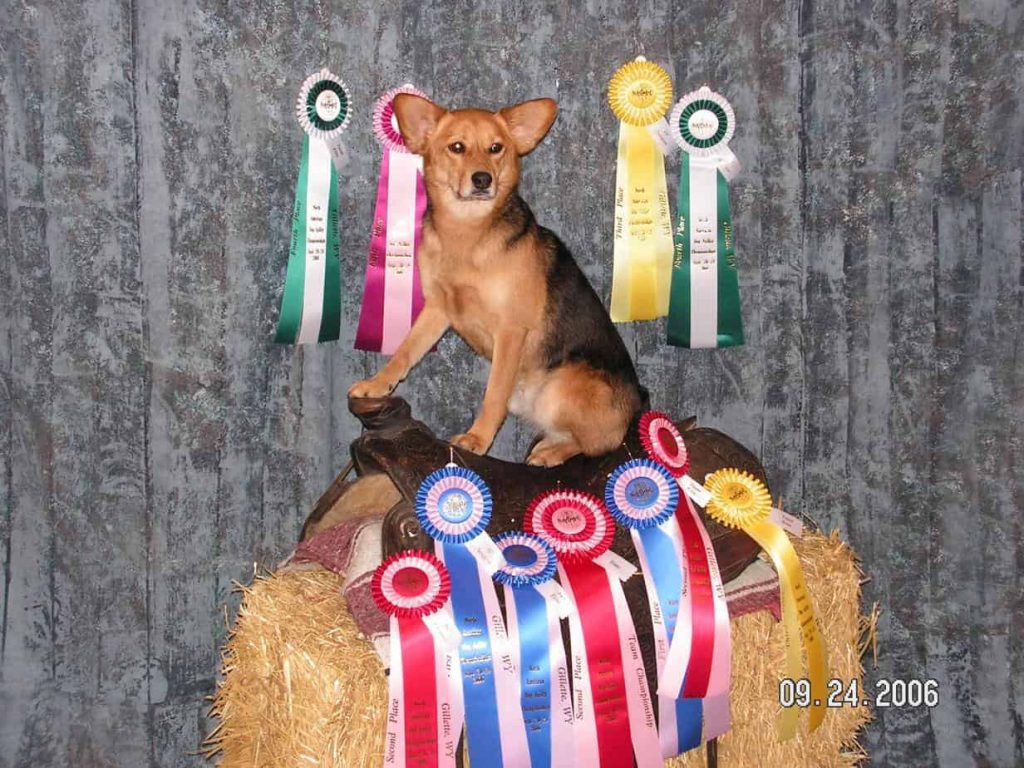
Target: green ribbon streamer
[679,295]
[290,318]
[730,321]
[291,302]
[330,320]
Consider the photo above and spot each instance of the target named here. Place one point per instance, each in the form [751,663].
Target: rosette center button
[569,521]
[703,124]
[519,555]
[455,505]
[328,106]
[641,492]
[410,582]
[738,495]
[642,95]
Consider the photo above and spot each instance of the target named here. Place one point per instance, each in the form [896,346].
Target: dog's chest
[482,289]
[472,317]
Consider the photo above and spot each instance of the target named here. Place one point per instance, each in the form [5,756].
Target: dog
[509,288]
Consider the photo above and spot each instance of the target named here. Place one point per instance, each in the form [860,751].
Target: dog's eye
[457,147]
[495,148]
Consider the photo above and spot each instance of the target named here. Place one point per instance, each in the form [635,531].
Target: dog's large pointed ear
[529,122]
[417,118]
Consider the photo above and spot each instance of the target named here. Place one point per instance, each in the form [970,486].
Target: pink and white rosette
[615,721]
[393,297]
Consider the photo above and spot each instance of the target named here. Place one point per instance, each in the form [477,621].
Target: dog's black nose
[481,180]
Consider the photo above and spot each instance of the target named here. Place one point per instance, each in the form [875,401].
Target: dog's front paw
[470,442]
[375,387]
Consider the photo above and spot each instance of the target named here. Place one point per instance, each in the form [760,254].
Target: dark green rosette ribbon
[704,302]
[311,305]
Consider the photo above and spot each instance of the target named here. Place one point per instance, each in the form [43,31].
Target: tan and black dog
[509,287]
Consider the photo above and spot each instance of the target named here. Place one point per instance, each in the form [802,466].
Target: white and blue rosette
[643,496]
[534,604]
[453,507]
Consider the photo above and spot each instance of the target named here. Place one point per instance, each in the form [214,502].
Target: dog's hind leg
[552,451]
[581,411]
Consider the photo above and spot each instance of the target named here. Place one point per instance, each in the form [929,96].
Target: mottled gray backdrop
[155,446]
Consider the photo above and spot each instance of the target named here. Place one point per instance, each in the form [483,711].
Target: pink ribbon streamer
[393,294]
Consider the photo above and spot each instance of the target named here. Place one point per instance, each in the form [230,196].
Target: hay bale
[302,687]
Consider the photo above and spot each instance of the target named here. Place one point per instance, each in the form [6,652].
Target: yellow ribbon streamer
[639,93]
[739,500]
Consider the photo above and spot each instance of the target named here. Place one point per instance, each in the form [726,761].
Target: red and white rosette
[701,656]
[412,588]
[613,708]
[661,439]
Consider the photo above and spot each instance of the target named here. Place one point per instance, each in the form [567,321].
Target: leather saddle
[407,451]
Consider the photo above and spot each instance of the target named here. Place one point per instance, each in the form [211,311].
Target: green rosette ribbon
[311,305]
[704,302]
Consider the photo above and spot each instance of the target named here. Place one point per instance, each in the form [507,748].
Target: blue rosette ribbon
[534,604]
[643,496]
[453,507]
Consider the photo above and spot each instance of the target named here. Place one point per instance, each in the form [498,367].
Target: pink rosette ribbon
[392,296]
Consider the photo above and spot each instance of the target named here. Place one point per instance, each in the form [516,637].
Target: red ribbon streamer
[420,692]
[702,626]
[589,583]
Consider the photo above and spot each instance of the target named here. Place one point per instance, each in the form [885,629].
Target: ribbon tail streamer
[642,248]
[585,728]
[704,310]
[799,623]
[598,623]
[311,305]
[659,551]
[528,631]
[494,726]
[370,332]
[419,691]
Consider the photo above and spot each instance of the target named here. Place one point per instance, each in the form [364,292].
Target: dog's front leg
[430,326]
[508,351]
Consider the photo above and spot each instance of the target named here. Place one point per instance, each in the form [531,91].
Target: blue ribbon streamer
[477,657]
[534,672]
[666,572]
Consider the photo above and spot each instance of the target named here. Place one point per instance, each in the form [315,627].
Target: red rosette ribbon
[663,442]
[699,658]
[613,706]
[412,588]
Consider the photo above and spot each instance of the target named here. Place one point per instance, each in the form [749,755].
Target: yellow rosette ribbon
[740,500]
[639,94]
